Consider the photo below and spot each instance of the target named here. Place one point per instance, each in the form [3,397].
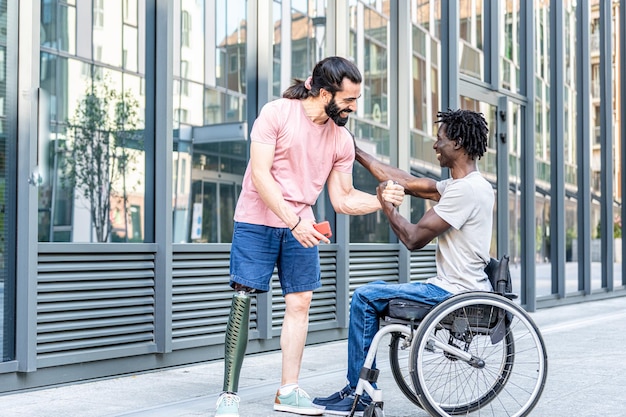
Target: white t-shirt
[463,250]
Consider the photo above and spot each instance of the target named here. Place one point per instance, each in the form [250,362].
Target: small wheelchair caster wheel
[374,410]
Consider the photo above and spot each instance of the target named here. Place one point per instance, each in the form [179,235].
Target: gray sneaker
[297,402]
[227,405]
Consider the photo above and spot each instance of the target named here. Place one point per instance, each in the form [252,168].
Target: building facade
[124,139]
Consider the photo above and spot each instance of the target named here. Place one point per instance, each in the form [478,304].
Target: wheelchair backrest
[499,275]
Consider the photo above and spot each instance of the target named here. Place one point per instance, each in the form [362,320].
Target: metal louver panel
[372,262]
[94,303]
[201,295]
[423,265]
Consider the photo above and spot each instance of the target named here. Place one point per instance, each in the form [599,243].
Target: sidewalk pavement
[586,377]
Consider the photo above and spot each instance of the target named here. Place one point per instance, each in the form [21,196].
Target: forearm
[417,187]
[272,196]
[378,169]
[356,203]
[407,232]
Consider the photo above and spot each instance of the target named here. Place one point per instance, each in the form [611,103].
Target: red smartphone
[323,228]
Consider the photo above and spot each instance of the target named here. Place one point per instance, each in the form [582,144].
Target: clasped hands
[390,192]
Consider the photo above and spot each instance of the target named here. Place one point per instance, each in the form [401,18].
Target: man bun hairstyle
[467,128]
[327,74]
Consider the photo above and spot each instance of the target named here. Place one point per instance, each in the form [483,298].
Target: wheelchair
[474,354]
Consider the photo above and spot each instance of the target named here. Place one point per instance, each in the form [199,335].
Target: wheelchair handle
[503,271]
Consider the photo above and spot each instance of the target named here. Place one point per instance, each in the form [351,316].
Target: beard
[334,112]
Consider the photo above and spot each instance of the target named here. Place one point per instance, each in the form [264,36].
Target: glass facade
[94,104]
[209,93]
[369,48]
[8,77]
[551,104]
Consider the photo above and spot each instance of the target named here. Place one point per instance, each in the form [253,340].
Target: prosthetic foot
[236,340]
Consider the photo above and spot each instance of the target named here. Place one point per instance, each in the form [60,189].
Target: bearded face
[334,112]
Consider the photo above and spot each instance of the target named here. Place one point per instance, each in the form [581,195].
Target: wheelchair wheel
[399,350]
[474,348]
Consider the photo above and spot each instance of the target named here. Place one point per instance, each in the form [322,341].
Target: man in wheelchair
[461,221]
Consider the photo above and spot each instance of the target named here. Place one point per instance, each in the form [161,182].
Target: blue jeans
[368,304]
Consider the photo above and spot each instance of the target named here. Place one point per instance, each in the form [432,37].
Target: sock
[287,388]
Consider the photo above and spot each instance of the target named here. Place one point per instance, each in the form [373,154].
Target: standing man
[461,221]
[298,144]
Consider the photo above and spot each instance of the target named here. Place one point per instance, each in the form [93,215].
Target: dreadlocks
[467,128]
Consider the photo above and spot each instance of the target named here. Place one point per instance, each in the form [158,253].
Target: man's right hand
[390,192]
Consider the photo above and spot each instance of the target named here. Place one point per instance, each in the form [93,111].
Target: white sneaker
[227,405]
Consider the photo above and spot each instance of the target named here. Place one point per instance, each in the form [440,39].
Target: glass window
[230,48]
[58,25]
[426,97]
[307,43]
[208,162]
[369,46]
[94,165]
[107,32]
[510,46]
[471,54]
[8,156]
[426,78]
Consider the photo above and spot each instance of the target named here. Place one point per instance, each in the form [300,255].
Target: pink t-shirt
[304,155]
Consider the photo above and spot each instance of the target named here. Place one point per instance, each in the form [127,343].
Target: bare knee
[298,302]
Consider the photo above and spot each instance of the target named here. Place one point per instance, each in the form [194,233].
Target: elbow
[414,244]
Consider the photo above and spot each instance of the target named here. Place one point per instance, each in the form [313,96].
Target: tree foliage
[98,157]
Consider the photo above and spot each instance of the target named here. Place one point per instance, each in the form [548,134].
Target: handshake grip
[323,228]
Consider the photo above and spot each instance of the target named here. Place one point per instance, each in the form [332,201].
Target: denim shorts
[257,249]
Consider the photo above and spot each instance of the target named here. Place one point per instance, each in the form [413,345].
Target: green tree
[98,157]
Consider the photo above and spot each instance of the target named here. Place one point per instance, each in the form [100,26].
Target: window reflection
[510,46]
[369,46]
[8,135]
[426,100]
[94,165]
[210,150]
[471,54]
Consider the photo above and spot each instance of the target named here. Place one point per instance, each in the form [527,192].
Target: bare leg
[293,334]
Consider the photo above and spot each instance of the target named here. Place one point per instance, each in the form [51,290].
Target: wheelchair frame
[476,352]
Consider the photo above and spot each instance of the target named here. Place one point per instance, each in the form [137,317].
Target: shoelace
[228,399]
[301,393]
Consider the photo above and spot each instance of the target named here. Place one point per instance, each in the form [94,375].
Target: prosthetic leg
[236,340]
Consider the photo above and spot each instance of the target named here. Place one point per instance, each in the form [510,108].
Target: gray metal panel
[583,143]
[502,166]
[528,159]
[201,295]
[606,143]
[423,264]
[373,262]
[449,60]
[94,304]
[557,159]
[27,139]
